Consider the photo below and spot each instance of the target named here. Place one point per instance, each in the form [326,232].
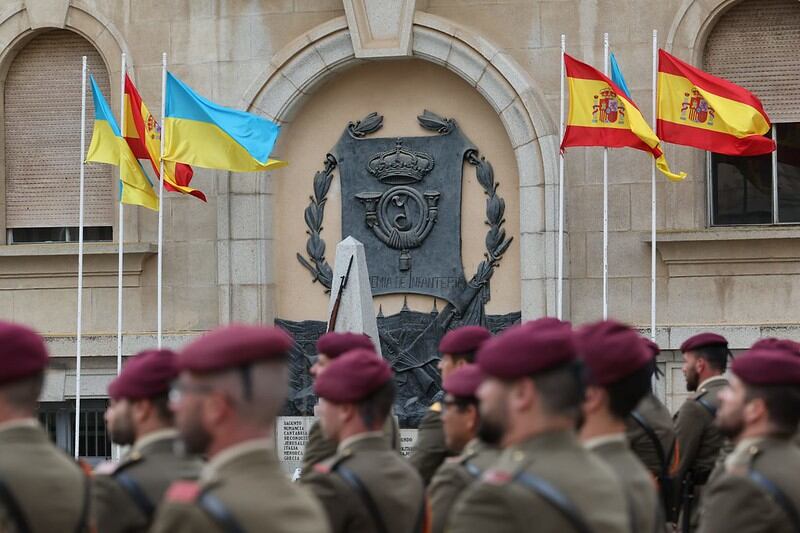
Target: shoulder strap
[14,510]
[358,486]
[136,493]
[778,496]
[220,514]
[87,494]
[651,434]
[708,406]
[552,495]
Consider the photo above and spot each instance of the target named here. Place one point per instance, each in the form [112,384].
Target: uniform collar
[154,437]
[711,380]
[354,439]
[602,440]
[740,456]
[263,446]
[20,423]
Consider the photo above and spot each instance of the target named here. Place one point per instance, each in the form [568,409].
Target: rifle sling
[778,496]
[557,499]
[220,514]
[359,488]
[12,507]
[136,494]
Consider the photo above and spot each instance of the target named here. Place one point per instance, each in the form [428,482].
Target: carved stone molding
[380,28]
[51,266]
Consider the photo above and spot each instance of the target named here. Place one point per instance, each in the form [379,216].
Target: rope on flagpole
[161,191]
[121,225]
[605,198]
[80,262]
[560,282]
[653,202]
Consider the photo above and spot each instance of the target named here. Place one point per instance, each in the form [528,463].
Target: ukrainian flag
[201,133]
[108,146]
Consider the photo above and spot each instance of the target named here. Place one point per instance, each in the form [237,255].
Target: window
[41,117]
[58,418]
[753,45]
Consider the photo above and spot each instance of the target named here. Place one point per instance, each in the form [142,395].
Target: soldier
[651,437]
[619,369]
[330,346]
[124,499]
[366,486]
[458,348]
[757,490]
[461,421]
[41,489]
[705,358]
[232,384]
[544,480]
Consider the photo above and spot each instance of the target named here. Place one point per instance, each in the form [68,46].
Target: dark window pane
[789,172]
[741,189]
[90,234]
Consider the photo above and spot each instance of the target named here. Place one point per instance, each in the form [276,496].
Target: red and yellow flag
[143,134]
[700,110]
[601,115]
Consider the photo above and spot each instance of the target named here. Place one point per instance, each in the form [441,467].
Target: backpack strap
[778,496]
[136,493]
[87,496]
[12,507]
[359,488]
[557,499]
[219,513]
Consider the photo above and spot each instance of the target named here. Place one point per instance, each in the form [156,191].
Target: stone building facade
[727,253]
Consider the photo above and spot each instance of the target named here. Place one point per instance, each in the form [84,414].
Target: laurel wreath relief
[496,241]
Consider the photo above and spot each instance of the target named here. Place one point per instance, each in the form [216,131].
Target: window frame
[775,201]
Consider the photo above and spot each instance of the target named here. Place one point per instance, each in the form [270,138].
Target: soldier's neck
[531,428]
[601,424]
[233,436]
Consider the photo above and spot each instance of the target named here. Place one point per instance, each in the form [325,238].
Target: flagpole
[80,262]
[121,224]
[560,283]
[605,198]
[653,201]
[161,191]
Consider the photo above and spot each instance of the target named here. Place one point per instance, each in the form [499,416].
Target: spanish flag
[601,114]
[700,110]
[108,146]
[201,133]
[143,135]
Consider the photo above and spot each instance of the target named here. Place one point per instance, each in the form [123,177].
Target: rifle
[688,501]
[338,301]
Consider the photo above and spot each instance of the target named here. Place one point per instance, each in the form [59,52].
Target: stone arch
[304,63]
[21,21]
[690,29]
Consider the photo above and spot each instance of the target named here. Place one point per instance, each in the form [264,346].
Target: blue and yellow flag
[201,133]
[109,147]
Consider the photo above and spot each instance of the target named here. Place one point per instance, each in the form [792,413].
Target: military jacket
[319,448]
[430,450]
[656,415]
[247,484]
[501,503]
[734,501]
[49,488]
[125,500]
[644,506]
[699,441]
[387,479]
[455,475]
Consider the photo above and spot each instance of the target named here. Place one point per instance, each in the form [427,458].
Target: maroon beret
[611,351]
[463,381]
[353,376]
[771,343]
[232,346]
[333,344]
[701,340]
[147,374]
[464,340]
[22,352]
[651,346]
[760,366]
[548,322]
[526,349]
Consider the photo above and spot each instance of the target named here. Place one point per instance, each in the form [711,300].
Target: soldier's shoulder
[432,417]
[329,465]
